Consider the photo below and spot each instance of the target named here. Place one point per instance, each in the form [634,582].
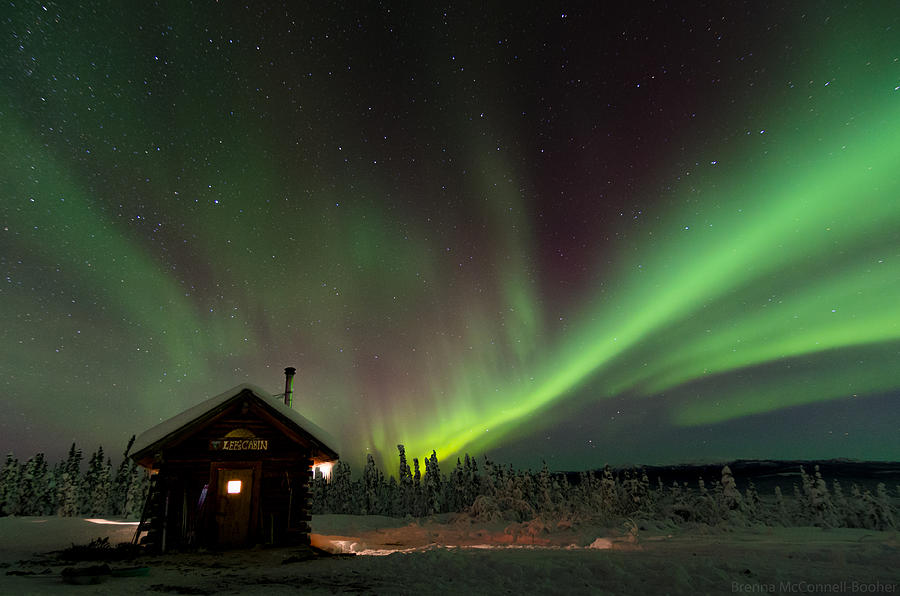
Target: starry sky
[574,232]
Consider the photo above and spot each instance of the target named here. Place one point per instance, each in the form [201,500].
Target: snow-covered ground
[454,555]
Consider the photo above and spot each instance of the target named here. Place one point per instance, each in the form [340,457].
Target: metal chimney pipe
[289,385]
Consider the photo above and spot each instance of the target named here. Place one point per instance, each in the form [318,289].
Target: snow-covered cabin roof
[150,439]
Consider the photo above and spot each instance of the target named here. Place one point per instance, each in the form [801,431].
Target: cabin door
[235,491]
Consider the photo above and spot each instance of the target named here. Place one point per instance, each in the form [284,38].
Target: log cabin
[231,472]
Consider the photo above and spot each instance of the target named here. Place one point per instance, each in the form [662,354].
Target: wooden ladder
[149,516]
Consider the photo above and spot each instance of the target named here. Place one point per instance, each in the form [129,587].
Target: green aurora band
[148,263]
[790,258]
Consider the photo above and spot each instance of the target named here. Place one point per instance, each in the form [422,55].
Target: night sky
[609,232]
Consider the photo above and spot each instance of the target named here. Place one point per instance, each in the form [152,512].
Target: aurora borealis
[585,234]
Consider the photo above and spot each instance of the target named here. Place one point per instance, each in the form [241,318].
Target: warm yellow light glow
[234,487]
[94,520]
[325,469]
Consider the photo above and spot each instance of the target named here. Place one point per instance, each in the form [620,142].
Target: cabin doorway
[233,507]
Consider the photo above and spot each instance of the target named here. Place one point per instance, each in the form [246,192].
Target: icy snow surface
[453,555]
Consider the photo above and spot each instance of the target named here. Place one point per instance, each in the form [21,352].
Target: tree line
[492,492]
[34,488]
[485,491]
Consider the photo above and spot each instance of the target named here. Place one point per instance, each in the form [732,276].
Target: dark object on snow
[27,573]
[139,571]
[99,549]
[86,575]
[313,552]
[178,589]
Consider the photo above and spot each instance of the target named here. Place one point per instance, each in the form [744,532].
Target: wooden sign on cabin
[239,439]
[232,471]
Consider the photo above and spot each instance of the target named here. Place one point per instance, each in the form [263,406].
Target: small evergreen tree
[405,497]
[373,480]
[884,508]
[96,485]
[856,508]
[69,487]
[783,514]
[730,493]
[876,510]
[454,489]
[137,493]
[609,491]
[341,490]
[471,481]
[841,507]
[393,498]
[752,503]
[544,499]
[433,490]
[418,498]
[121,485]
[317,492]
[10,486]
[35,487]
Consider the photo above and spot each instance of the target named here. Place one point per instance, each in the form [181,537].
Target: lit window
[325,469]
[234,487]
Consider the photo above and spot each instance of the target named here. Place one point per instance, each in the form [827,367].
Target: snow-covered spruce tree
[96,486]
[454,489]
[595,497]
[394,502]
[508,498]
[544,500]
[68,490]
[682,508]
[34,498]
[485,507]
[637,493]
[317,490]
[136,496]
[826,515]
[432,486]
[56,478]
[608,492]
[816,501]
[471,481]
[44,486]
[10,486]
[752,504]
[856,508]
[661,502]
[122,480]
[782,513]
[418,498]
[581,502]
[404,500]
[841,505]
[730,493]
[524,481]
[800,510]
[488,481]
[885,508]
[372,480]
[26,488]
[385,494]
[876,512]
[704,507]
[341,490]
[561,488]
[732,509]
[647,504]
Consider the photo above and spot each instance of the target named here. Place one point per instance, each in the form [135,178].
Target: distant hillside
[767,474]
